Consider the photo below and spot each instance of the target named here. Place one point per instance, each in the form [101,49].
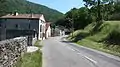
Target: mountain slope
[24,6]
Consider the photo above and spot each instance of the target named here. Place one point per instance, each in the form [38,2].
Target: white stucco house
[48,30]
[35,22]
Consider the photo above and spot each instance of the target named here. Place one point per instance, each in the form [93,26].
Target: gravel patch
[32,49]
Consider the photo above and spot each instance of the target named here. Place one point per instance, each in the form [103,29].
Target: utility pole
[30,34]
[99,11]
[72,24]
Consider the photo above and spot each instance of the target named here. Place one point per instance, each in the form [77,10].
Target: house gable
[42,18]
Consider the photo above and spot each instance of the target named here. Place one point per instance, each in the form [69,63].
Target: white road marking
[88,58]
[78,52]
[95,62]
[70,48]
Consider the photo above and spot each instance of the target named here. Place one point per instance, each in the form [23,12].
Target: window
[29,26]
[0,25]
[40,28]
[16,26]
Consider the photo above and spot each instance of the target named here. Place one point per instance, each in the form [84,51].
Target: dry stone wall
[11,50]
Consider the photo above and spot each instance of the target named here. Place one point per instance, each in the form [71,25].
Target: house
[60,31]
[48,30]
[19,24]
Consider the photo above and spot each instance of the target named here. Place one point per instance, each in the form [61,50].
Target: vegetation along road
[57,52]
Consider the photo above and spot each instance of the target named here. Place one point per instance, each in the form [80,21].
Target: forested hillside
[24,6]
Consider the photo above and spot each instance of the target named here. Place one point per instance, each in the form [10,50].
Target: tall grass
[109,30]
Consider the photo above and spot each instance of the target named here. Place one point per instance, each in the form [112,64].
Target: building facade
[14,24]
[48,30]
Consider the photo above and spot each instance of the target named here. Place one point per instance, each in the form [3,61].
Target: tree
[3,7]
[98,4]
[64,23]
[117,7]
[72,17]
[80,17]
[115,15]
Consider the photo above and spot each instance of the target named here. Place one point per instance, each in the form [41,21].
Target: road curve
[60,53]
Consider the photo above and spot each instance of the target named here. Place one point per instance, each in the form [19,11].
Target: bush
[78,35]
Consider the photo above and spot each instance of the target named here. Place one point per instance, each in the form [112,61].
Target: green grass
[106,38]
[30,60]
[106,30]
[99,46]
[37,44]
[33,59]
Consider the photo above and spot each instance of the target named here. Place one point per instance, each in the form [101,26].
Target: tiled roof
[36,16]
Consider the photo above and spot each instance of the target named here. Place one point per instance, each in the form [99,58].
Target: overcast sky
[60,5]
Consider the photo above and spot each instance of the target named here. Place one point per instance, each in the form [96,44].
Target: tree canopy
[94,11]
[79,18]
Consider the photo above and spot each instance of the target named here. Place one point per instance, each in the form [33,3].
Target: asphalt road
[58,52]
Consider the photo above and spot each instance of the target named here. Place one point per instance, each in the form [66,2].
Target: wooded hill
[24,6]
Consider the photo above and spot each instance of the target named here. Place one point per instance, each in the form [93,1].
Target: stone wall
[11,49]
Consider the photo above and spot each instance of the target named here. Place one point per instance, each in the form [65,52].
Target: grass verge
[37,44]
[99,46]
[33,59]
[30,60]
[105,37]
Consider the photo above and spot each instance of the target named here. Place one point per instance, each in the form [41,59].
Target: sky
[60,5]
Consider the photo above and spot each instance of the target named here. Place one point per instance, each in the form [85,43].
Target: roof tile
[37,16]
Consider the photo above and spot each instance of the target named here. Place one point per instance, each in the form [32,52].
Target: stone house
[17,23]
